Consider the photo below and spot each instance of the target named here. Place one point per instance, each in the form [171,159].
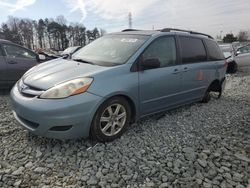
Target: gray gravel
[199,145]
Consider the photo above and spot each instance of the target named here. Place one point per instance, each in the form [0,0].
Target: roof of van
[139,32]
[166,30]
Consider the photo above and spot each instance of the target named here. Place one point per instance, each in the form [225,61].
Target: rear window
[192,50]
[214,52]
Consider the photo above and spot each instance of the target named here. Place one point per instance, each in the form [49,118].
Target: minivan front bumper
[55,118]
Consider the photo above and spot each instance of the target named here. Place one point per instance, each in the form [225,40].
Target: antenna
[130,20]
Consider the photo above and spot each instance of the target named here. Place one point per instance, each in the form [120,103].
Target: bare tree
[47,33]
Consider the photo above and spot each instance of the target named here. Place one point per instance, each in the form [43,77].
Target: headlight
[66,89]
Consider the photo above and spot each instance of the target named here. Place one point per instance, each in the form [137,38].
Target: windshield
[111,49]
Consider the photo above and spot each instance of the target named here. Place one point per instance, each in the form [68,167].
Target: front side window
[163,49]
[192,50]
[18,52]
[111,50]
[245,49]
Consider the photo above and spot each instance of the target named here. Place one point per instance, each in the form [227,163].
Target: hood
[49,74]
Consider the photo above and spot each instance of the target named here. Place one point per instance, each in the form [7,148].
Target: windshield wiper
[83,61]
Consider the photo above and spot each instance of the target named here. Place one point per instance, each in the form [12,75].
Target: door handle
[12,62]
[185,69]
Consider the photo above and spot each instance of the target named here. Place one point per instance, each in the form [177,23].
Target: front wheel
[111,119]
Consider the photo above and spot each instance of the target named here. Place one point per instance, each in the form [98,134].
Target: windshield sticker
[129,40]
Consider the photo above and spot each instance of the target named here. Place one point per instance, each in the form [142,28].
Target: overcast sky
[208,16]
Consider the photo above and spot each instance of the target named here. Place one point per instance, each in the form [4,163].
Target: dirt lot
[199,145]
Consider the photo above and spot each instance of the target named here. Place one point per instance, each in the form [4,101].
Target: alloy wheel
[113,119]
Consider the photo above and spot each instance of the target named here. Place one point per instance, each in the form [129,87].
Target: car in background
[49,55]
[242,56]
[15,60]
[238,44]
[70,50]
[229,52]
[116,80]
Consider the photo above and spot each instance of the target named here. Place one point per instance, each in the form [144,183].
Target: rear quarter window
[214,51]
[192,50]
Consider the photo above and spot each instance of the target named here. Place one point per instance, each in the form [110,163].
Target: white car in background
[229,52]
[242,56]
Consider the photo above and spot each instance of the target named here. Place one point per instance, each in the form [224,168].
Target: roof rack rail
[186,31]
[130,30]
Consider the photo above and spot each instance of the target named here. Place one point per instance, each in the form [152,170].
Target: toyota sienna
[118,79]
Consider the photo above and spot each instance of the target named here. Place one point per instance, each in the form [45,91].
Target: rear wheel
[207,97]
[111,119]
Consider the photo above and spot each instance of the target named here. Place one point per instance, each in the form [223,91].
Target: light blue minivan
[116,80]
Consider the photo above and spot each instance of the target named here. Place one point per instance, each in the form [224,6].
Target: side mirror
[41,57]
[150,64]
[66,56]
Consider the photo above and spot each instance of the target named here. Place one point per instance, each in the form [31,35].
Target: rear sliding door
[194,58]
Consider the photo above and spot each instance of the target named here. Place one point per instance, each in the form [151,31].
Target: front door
[159,87]
[19,60]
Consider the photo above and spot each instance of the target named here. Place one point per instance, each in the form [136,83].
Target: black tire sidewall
[206,98]
[95,127]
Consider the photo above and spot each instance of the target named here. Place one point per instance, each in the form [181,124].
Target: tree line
[243,36]
[47,33]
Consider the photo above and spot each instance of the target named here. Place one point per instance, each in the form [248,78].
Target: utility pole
[130,20]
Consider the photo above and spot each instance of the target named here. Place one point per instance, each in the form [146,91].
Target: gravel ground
[199,145]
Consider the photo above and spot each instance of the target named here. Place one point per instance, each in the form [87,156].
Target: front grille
[27,95]
[28,91]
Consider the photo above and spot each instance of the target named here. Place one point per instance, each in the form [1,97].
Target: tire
[206,98]
[232,67]
[235,68]
[111,119]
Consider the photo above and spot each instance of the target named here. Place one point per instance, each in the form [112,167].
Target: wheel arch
[117,95]
[132,104]
[215,86]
